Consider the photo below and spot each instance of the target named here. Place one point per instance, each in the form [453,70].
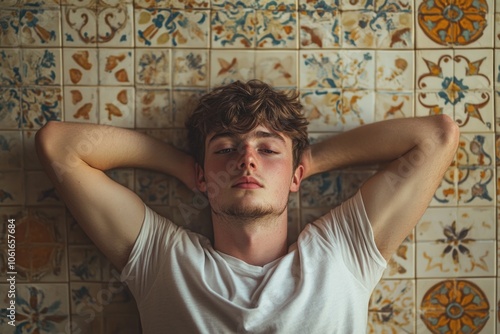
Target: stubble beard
[247,215]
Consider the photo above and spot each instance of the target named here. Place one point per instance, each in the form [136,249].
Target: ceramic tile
[40,105]
[395,30]
[476,111]
[44,306]
[191,4]
[456,224]
[190,68]
[319,29]
[42,3]
[40,190]
[326,5]
[85,302]
[11,147]
[332,69]
[183,105]
[475,150]
[41,67]
[10,108]
[391,308]
[153,27]
[359,71]
[455,254]
[348,5]
[116,106]
[321,190]
[497,117]
[434,69]
[115,67]
[80,66]
[229,67]
[476,186]
[389,105]
[41,233]
[356,29]
[10,74]
[12,188]
[232,5]
[433,103]
[394,70]
[153,188]
[462,24]
[9,18]
[189,28]
[279,69]
[234,29]
[40,27]
[497,149]
[393,6]
[153,109]
[121,301]
[402,262]
[84,263]
[80,104]
[496,72]
[497,29]
[153,67]
[152,3]
[114,24]
[448,304]
[447,192]
[333,110]
[276,29]
[79,25]
[474,70]
[322,69]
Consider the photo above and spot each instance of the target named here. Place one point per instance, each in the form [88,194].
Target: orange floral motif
[455,306]
[448,22]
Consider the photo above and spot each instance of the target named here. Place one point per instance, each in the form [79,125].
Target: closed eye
[225,150]
[268,151]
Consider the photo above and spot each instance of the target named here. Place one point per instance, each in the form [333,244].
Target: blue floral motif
[33,315]
[453,90]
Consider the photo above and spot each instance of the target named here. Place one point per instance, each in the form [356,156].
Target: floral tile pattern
[319,29]
[394,70]
[114,22]
[153,108]
[234,28]
[116,106]
[152,66]
[10,108]
[41,67]
[229,67]
[79,25]
[277,68]
[10,72]
[80,104]
[190,68]
[9,33]
[393,105]
[39,106]
[391,307]
[39,27]
[115,67]
[10,150]
[456,305]
[276,29]
[81,67]
[42,308]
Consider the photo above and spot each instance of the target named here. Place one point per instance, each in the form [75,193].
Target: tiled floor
[141,64]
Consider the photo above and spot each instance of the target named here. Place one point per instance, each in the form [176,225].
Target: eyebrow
[258,134]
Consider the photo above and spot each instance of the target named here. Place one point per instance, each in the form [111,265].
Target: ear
[297,177]
[201,184]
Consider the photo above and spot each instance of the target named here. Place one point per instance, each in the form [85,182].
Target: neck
[257,243]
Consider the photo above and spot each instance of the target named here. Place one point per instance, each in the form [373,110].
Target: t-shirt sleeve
[145,258]
[348,230]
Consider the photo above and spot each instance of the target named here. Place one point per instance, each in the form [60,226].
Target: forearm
[377,142]
[106,147]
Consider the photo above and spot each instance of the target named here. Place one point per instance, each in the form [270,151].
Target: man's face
[249,176]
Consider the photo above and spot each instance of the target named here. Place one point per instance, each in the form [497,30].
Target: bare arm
[419,150]
[75,157]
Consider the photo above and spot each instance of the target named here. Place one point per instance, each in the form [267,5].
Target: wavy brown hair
[241,107]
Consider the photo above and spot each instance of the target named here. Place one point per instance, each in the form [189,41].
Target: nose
[247,158]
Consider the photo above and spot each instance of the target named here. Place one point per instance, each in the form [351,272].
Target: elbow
[45,139]
[446,133]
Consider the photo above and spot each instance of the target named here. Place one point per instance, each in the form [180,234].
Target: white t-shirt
[322,285]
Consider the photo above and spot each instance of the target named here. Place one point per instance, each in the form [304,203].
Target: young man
[250,150]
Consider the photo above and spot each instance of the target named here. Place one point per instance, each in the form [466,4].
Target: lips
[247,182]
